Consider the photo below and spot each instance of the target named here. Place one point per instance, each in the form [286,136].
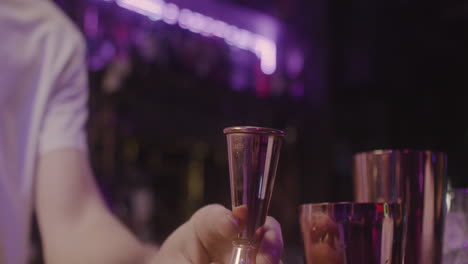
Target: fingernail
[234,220]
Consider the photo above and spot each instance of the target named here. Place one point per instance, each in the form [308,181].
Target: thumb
[216,227]
[214,222]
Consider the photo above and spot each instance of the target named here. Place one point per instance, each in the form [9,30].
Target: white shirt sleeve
[66,113]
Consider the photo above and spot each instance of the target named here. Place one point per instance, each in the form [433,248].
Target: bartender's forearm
[75,225]
[100,239]
[103,239]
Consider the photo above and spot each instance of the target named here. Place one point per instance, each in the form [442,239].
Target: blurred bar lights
[264,48]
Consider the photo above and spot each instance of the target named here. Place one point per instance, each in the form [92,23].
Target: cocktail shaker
[417,180]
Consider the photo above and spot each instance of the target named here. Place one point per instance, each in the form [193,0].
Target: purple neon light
[264,48]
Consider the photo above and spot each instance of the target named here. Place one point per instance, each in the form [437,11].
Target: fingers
[205,238]
[241,213]
[214,222]
[216,227]
[213,228]
[271,247]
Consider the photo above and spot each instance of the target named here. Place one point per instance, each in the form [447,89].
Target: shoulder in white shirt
[43,107]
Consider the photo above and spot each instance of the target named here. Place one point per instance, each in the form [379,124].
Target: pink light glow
[218,28]
[184,18]
[171,14]
[207,30]
[196,22]
[266,51]
[244,39]
[264,48]
[230,34]
[143,7]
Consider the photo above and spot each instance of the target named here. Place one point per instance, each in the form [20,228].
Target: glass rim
[383,151]
[341,210]
[344,203]
[254,130]
[309,206]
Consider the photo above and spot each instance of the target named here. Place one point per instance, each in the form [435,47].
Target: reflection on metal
[264,48]
[352,233]
[416,179]
[455,248]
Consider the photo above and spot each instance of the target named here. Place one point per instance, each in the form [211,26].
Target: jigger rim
[254,130]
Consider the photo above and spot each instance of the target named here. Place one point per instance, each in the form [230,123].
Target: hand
[207,238]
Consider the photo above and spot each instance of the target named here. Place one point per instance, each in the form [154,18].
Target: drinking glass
[352,233]
[253,154]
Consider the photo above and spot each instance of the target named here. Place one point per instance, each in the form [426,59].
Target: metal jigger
[417,180]
[253,154]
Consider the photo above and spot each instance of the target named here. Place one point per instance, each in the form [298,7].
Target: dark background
[377,74]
